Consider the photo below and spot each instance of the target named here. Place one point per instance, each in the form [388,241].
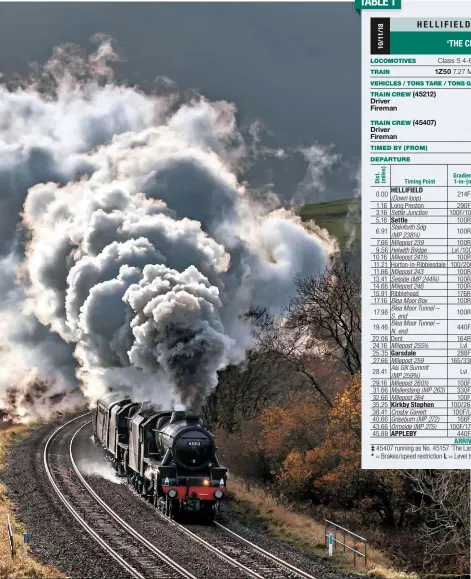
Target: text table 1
[416,252]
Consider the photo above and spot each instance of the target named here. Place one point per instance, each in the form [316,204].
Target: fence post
[25,542]
[10,538]
[330,540]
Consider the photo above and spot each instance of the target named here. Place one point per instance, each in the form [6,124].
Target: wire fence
[346,541]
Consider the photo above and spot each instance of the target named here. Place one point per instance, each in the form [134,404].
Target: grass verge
[303,532]
[21,567]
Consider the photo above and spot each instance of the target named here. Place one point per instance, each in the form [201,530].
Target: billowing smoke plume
[130,246]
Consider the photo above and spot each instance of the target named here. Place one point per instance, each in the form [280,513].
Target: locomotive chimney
[177,416]
[192,419]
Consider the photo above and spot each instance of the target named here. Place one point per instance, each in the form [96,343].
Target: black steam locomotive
[168,456]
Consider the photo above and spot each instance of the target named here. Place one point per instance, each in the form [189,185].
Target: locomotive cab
[109,430]
[103,423]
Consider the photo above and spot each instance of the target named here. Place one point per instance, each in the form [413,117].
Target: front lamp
[172,493]
[218,494]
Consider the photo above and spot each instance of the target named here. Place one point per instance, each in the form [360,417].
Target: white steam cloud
[92,464]
[130,249]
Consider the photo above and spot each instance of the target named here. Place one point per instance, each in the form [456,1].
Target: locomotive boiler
[168,456]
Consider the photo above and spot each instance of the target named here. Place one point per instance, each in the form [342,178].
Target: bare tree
[243,390]
[322,322]
[327,310]
[444,506]
[288,343]
[312,343]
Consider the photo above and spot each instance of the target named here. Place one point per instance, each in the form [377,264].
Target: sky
[295,67]
[150,222]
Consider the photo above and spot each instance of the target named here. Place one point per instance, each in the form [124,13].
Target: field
[341,218]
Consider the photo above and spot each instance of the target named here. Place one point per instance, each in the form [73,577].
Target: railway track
[249,558]
[138,556]
[298,572]
[256,562]
[295,571]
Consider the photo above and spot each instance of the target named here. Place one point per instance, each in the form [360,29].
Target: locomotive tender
[168,456]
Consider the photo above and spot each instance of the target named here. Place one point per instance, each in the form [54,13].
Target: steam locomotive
[168,456]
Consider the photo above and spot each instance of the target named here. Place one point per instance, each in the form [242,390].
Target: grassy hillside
[339,217]
[302,531]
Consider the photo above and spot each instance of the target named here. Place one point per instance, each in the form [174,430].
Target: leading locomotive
[168,456]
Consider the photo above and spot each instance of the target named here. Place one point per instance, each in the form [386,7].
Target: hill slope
[339,217]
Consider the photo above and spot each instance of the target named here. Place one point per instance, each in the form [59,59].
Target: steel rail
[267,554]
[151,547]
[74,513]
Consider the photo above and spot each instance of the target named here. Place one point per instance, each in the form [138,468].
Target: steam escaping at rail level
[91,463]
[130,249]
